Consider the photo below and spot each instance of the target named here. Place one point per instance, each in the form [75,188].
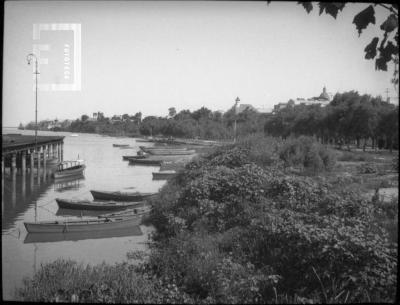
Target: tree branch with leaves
[383,49]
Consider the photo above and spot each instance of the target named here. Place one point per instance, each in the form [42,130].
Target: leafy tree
[137,117]
[203,112]
[84,118]
[383,49]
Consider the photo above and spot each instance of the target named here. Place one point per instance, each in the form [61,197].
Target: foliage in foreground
[68,281]
[234,228]
[232,231]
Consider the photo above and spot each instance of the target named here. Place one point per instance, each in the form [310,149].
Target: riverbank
[263,221]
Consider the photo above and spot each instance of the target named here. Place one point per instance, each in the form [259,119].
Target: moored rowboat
[120,196]
[172,152]
[120,145]
[145,161]
[126,158]
[93,205]
[84,225]
[164,175]
[127,213]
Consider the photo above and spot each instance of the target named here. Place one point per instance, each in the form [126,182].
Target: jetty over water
[18,151]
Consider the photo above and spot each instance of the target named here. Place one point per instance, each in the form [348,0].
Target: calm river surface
[23,253]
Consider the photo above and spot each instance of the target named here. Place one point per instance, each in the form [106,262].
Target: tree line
[350,118]
[202,123]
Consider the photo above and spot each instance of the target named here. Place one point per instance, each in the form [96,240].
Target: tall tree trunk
[365,144]
[358,142]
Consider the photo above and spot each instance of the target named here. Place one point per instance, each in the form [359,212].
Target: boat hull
[163,176]
[117,196]
[126,158]
[120,145]
[88,205]
[83,225]
[171,152]
[145,161]
[69,172]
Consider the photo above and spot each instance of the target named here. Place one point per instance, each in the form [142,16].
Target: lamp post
[29,58]
[234,126]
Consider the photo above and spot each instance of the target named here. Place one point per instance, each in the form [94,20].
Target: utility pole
[387,95]
[234,126]
[29,59]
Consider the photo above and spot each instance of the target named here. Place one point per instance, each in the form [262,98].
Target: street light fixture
[234,126]
[29,58]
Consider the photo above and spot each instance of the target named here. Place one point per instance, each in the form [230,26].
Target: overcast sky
[149,56]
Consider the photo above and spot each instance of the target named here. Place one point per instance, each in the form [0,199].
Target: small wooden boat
[73,135]
[75,236]
[164,175]
[143,140]
[164,147]
[69,168]
[120,145]
[84,225]
[95,205]
[171,152]
[120,196]
[126,158]
[145,161]
[128,213]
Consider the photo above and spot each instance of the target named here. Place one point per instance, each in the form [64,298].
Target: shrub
[309,250]
[395,163]
[355,156]
[304,152]
[262,150]
[68,281]
[368,168]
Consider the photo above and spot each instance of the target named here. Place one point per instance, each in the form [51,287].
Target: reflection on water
[20,193]
[70,183]
[27,197]
[75,236]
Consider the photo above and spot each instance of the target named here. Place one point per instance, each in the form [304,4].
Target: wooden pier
[18,152]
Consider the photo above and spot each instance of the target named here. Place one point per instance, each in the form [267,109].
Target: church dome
[324,95]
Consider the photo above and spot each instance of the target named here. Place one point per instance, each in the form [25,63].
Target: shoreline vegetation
[349,119]
[264,220]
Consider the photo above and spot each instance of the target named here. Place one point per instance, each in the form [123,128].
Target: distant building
[323,99]
[264,109]
[53,124]
[116,118]
[242,107]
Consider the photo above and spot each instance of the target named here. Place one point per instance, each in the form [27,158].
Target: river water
[25,197]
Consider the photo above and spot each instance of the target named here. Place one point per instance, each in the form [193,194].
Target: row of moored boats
[130,207]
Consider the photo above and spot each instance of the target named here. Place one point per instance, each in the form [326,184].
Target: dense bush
[308,154]
[231,229]
[395,163]
[67,281]
[239,232]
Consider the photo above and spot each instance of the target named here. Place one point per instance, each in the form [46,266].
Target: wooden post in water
[59,152]
[32,165]
[13,163]
[62,151]
[44,164]
[38,162]
[23,162]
